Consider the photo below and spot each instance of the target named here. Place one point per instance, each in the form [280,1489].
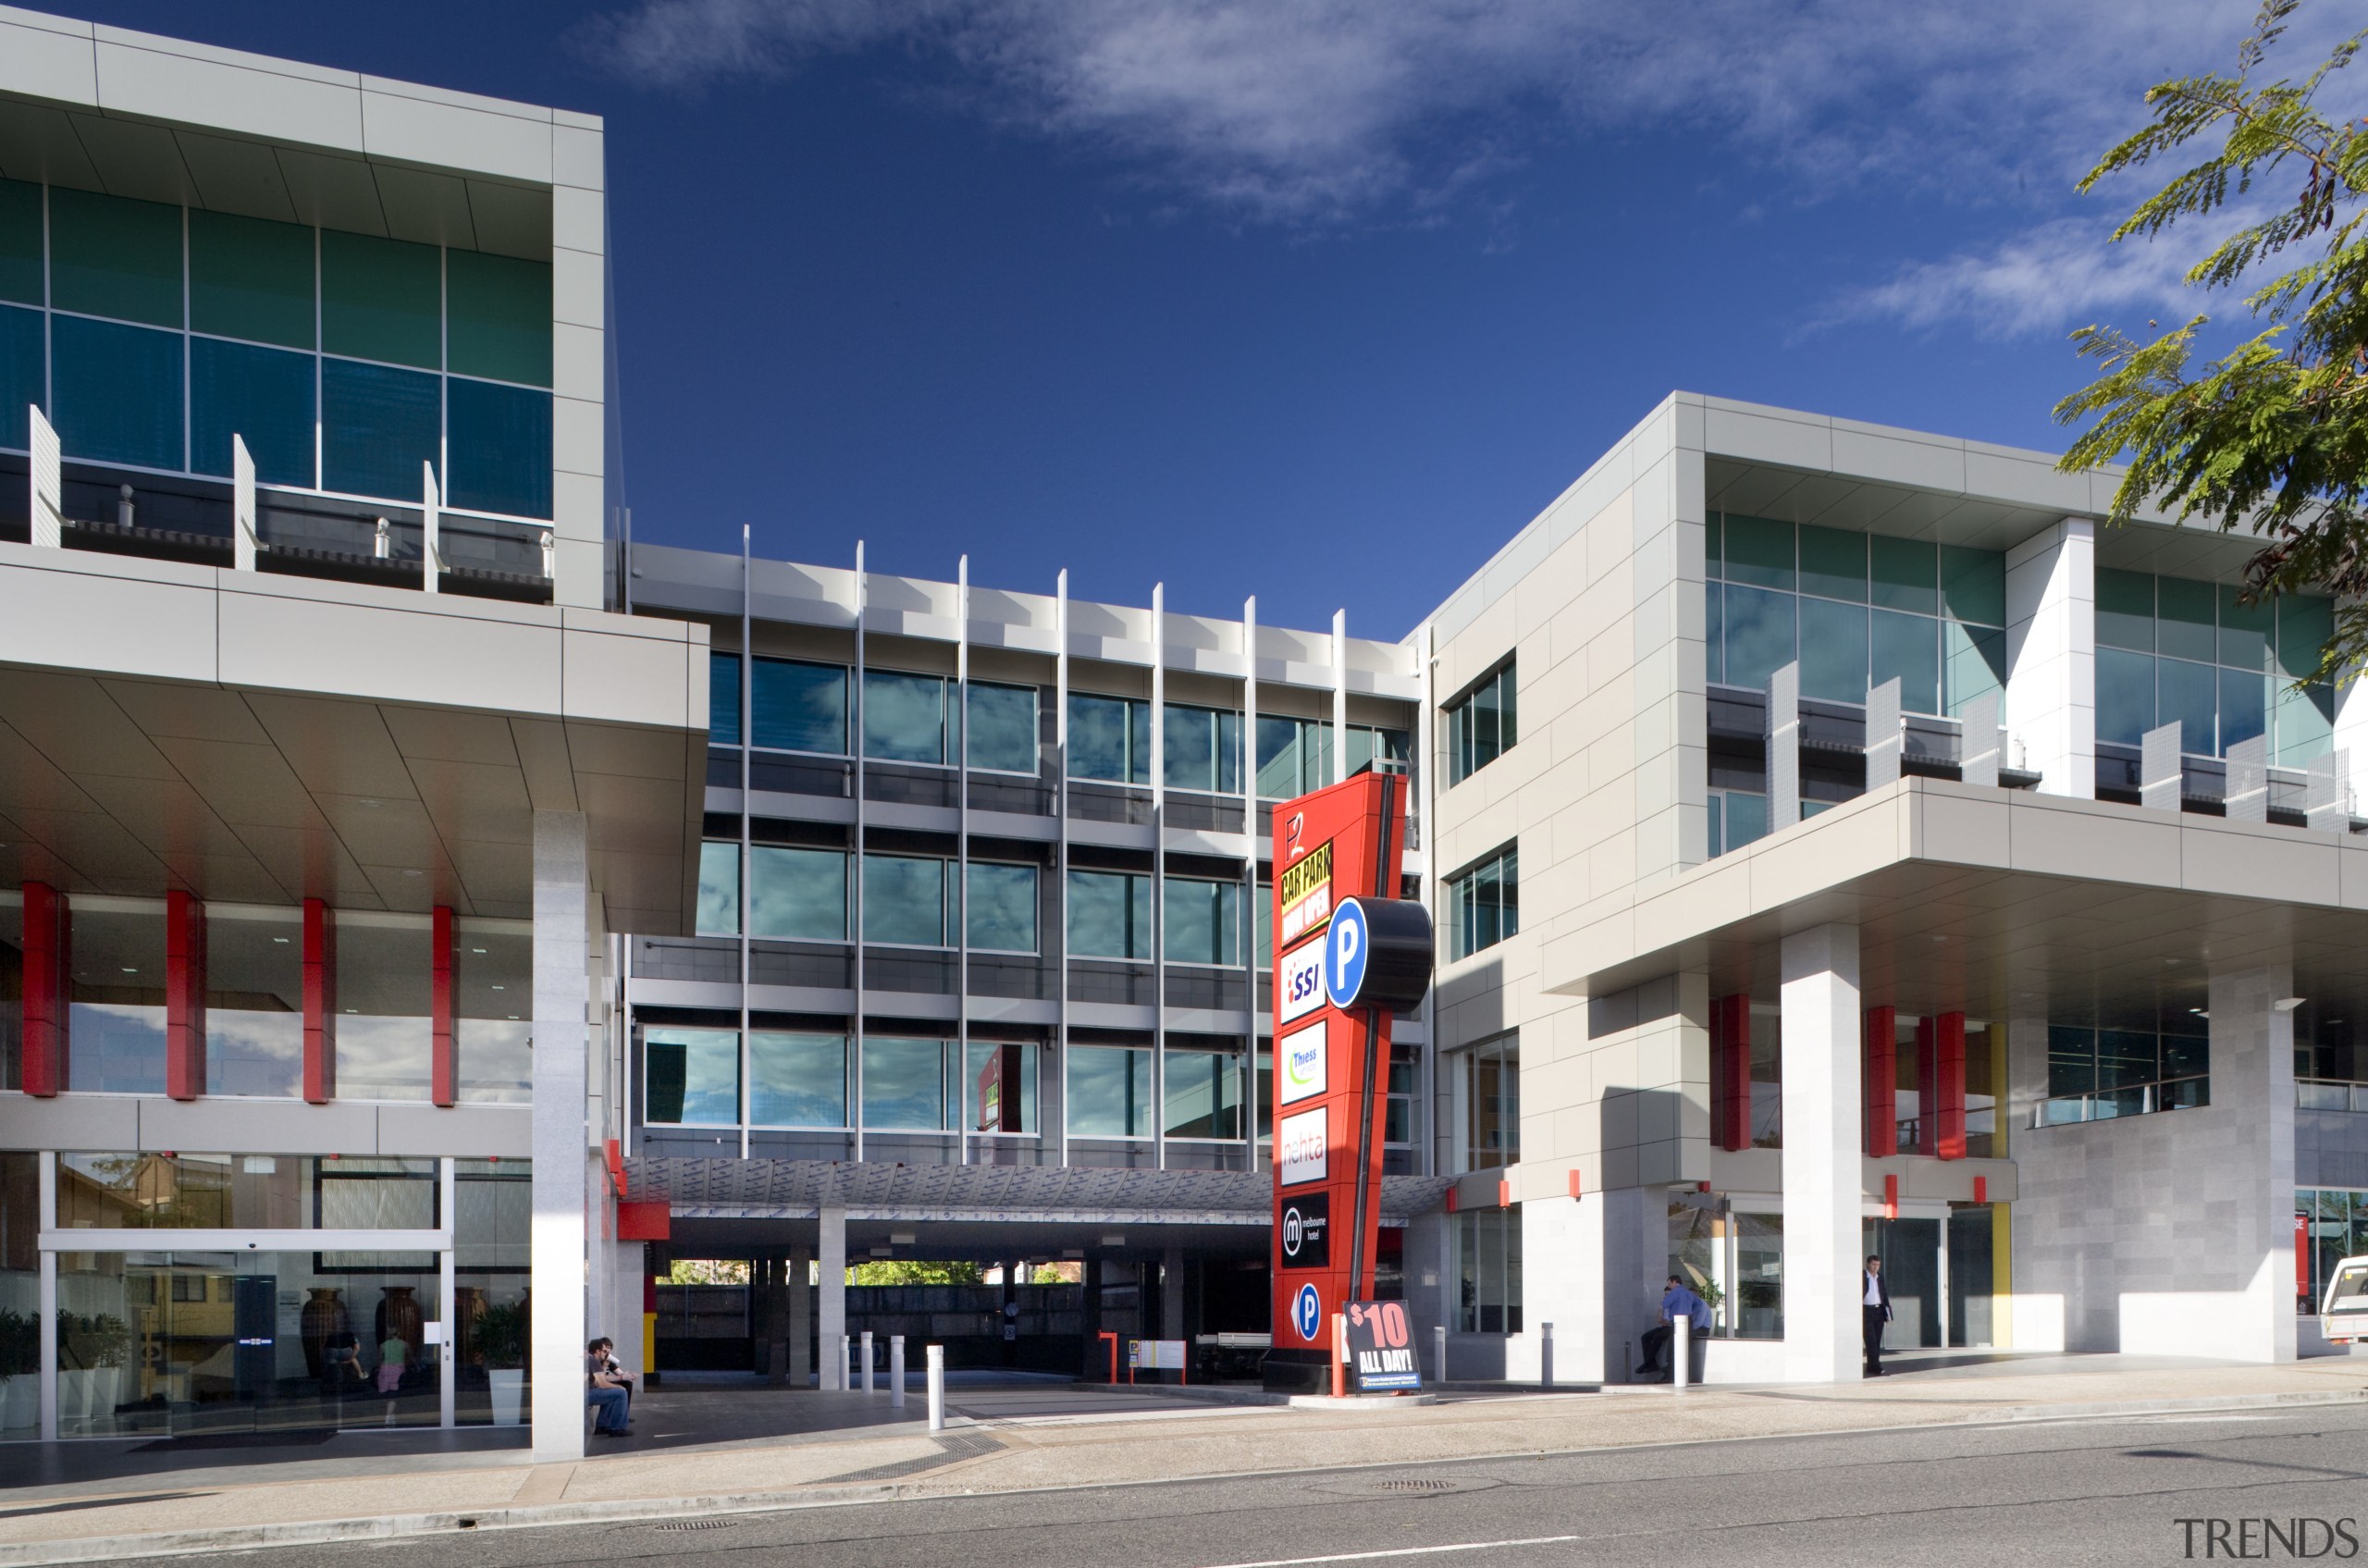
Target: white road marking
[1405,1551]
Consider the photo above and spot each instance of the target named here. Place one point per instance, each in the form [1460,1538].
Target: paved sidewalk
[1017,1439]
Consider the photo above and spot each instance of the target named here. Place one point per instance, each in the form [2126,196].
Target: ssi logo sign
[1299,982]
[1303,1065]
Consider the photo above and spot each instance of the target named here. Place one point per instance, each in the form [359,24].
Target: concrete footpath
[1083,1437]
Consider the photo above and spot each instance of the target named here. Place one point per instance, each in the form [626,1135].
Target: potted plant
[19,1370]
[90,1350]
[500,1341]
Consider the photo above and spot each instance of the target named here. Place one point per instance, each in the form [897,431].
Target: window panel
[797,1079]
[1833,562]
[1833,650]
[384,1042]
[1367,744]
[1002,907]
[2183,618]
[499,311]
[378,427]
[264,395]
[250,278]
[2247,630]
[20,246]
[1973,585]
[1759,552]
[1203,921]
[2125,695]
[1760,634]
[1202,749]
[799,895]
[382,299]
[1294,756]
[724,699]
[1713,546]
[1486,904]
[1109,914]
[23,379]
[904,717]
[116,999]
[2186,695]
[903,901]
[1003,728]
[981,1054]
[1905,573]
[1109,1092]
[118,392]
[799,707]
[1973,662]
[498,441]
[1203,1095]
[493,1027]
[1109,739]
[691,1077]
[1908,647]
[2124,610]
[2244,707]
[113,256]
[1481,725]
[718,889]
[2305,724]
[904,1084]
[2305,623]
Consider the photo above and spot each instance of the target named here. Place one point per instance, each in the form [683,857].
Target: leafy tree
[2270,439]
[914,1272]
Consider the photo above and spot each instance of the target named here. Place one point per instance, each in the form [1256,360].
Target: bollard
[1681,1351]
[937,1388]
[867,1360]
[1545,1355]
[1438,1338]
[896,1371]
[847,1365]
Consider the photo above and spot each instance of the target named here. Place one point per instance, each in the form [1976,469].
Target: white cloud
[2046,280]
[1316,112]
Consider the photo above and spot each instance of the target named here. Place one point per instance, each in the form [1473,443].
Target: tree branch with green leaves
[2269,439]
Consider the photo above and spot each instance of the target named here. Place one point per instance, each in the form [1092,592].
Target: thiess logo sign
[1300,1148]
[1304,890]
[1302,1065]
[1299,981]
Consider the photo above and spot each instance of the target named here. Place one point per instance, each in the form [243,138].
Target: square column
[801,1317]
[1822,1173]
[831,1306]
[2052,656]
[562,1150]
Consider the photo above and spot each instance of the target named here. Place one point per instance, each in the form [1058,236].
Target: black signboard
[1381,1348]
[1307,1231]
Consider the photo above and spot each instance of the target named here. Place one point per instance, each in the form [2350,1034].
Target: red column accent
[1731,1071]
[184,995]
[1939,1084]
[444,1074]
[1982,1189]
[1881,1057]
[48,974]
[1574,1183]
[1891,1196]
[320,1002]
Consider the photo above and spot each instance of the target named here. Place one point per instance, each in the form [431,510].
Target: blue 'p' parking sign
[1346,948]
[1307,1312]
[1377,954]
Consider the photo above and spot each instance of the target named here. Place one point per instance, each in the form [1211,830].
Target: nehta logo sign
[1300,1149]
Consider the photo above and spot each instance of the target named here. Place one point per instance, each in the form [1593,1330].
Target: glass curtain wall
[1487,1250]
[2172,651]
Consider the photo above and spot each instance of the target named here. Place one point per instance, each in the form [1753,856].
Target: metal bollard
[867,1360]
[937,1388]
[896,1371]
[1681,1351]
[1545,1355]
[847,1365]
[1438,1340]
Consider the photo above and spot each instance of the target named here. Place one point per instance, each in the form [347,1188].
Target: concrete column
[832,1296]
[2052,657]
[1822,1174]
[562,1189]
[801,1317]
[1171,1293]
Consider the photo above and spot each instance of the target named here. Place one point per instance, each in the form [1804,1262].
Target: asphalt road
[2057,1493]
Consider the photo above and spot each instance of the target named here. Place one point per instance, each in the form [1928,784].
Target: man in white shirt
[1876,1306]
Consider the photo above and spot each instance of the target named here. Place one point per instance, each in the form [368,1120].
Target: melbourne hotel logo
[2262,1539]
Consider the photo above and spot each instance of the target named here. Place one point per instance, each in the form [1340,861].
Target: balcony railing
[2111,1104]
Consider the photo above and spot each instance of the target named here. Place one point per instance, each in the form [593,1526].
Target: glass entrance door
[1910,1249]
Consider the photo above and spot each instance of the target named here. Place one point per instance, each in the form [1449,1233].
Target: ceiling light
[884,1251]
[1116,1239]
[281,940]
[415,873]
[512,1016]
[128,969]
[476,949]
[374,804]
[901,1238]
[353,1009]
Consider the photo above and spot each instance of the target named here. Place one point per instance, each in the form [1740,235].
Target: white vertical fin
[244,542]
[48,487]
[431,547]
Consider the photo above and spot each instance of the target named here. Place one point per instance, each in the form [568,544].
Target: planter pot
[76,1392]
[509,1385]
[20,1403]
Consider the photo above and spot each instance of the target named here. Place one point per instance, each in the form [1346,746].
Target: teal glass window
[798,894]
[379,428]
[1906,647]
[1761,633]
[1484,901]
[20,248]
[1833,564]
[2247,630]
[2125,695]
[1714,533]
[1203,921]
[691,1077]
[382,299]
[264,395]
[1903,574]
[498,443]
[252,279]
[1203,1095]
[904,1084]
[2188,695]
[724,699]
[1833,650]
[2183,618]
[1294,756]
[22,381]
[1973,663]
[903,901]
[1204,749]
[904,717]
[1109,1092]
[719,912]
[1973,585]
[1002,907]
[1003,728]
[2305,625]
[2305,719]
[795,705]
[499,311]
[1481,725]
[2124,610]
[1367,744]
[116,257]
[1759,552]
[1109,739]
[2245,700]
[1109,914]
[797,1079]
[118,391]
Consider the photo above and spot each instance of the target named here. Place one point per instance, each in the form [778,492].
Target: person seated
[606,1394]
[1676,1302]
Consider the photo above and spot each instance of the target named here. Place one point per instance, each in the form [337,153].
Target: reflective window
[118,392]
[1480,724]
[1488,1250]
[903,901]
[797,1079]
[1294,756]
[24,379]
[1003,728]
[904,717]
[1204,1094]
[113,256]
[1109,1091]
[382,299]
[1202,749]
[493,1009]
[264,395]
[498,443]
[1484,904]
[254,1002]
[380,426]
[724,699]
[2172,651]
[799,707]
[1011,1106]
[798,894]
[691,1077]
[116,1014]
[1109,739]
[719,913]
[21,266]
[1002,907]
[253,279]
[1109,914]
[1486,1080]
[1203,921]
[498,318]
[904,1084]
[384,983]
[124,1191]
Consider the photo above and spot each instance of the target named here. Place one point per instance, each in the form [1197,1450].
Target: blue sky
[1311,299]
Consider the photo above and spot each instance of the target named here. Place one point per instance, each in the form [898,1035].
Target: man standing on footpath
[1676,1302]
[1876,1304]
